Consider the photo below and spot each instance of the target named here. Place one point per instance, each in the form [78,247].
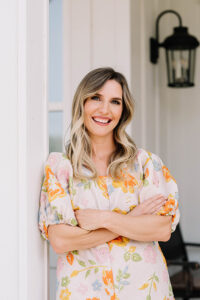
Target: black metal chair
[186,282]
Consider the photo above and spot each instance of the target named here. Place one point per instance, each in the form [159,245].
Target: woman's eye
[116,102]
[95,97]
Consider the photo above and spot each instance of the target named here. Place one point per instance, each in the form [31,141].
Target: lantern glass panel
[192,54]
[180,67]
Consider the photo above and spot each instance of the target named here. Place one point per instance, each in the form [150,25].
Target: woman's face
[102,111]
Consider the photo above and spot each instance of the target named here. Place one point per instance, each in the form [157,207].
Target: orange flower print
[54,188]
[119,211]
[147,160]
[132,207]
[101,181]
[166,174]
[113,297]
[169,206]
[70,258]
[108,278]
[173,217]
[146,173]
[127,184]
[107,291]
[120,241]
[149,153]
[65,294]
[94,298]
[45,229]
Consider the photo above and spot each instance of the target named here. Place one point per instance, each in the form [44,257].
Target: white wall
[144,76]
[180,125]
[96,34]
[9,243]
[167,121]
[23,73]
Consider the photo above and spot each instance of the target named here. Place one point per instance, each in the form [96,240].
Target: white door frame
[24,133]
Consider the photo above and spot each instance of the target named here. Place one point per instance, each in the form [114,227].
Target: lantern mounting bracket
[154,42]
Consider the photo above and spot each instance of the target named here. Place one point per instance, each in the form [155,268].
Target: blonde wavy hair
[78,148]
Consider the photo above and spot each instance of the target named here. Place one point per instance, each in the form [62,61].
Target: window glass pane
[55,95]
[55,131]
[55,51]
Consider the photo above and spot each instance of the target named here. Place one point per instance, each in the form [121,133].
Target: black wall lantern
[180,53]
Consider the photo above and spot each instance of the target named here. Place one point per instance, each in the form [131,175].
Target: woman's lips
[101,123]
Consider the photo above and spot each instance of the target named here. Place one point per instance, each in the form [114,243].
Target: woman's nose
[104,108]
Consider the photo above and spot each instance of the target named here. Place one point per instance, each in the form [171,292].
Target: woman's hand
[150,206]
[90,219]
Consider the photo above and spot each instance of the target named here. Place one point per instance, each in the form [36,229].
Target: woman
[105,204]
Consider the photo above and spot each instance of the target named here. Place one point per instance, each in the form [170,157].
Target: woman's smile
[102,121]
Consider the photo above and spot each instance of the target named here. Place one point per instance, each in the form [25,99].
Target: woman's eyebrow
[116,98]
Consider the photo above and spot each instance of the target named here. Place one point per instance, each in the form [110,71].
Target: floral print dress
[122,268]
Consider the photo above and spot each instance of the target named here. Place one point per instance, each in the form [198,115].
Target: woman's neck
[102,148]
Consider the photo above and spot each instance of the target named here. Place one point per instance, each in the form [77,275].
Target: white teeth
[101,121]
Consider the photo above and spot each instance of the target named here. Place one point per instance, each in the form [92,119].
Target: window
[56,106]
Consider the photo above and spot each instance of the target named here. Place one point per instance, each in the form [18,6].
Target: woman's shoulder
[58,161]
[143,156]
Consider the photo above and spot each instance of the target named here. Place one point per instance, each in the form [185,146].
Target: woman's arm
[143,228]
[65,238]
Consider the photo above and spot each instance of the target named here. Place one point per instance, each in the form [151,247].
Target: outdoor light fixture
[180,53]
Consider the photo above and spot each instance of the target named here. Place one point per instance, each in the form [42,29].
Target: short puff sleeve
[56,197]
[157,179]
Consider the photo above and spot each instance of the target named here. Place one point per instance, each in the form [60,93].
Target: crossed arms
[97,227]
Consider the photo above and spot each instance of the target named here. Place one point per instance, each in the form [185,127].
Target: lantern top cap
[180,40]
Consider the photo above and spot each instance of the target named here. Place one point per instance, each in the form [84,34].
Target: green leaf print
[75,252]
[127,256]
[96,270]
[119,275]
[120,272]
[64,156]
[118,278]
[74,222]
[65,281]
[71,188]
[136,257]
[44,189]
[121,288]
[151,278]
[145,182]
[170,290]
[60,216]
[87,273]
[86,184]
[81,263]
[91,262]
[151,284]
[126,275]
